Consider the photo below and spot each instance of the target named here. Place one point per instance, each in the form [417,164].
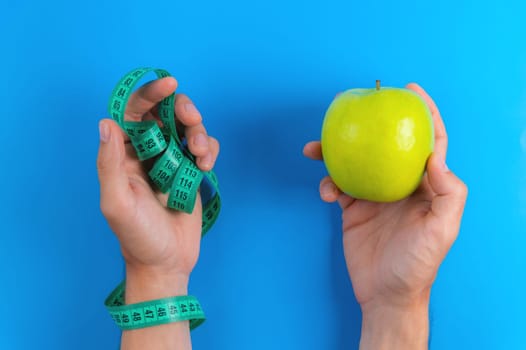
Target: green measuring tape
[174,171]
[153,312]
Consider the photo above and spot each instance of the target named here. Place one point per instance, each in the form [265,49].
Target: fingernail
[327,189]
[200,140]
[190,108]
[104,132]
[206,161]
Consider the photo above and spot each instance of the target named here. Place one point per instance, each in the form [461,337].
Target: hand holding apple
[393,250]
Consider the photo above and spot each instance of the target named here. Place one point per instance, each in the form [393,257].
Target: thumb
[110,166]
[450,194]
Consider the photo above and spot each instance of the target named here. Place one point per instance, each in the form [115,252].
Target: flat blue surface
[271,273]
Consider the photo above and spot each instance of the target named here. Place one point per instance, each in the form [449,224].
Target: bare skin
[393,250]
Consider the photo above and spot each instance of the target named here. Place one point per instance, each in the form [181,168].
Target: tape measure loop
[149,142]
[163,172]
[185,186]
[153,312]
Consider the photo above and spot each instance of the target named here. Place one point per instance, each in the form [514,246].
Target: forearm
[147,285]
[395,327]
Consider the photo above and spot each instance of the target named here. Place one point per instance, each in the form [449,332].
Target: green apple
[376,142]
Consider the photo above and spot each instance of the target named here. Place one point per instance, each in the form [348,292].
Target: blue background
[271,272]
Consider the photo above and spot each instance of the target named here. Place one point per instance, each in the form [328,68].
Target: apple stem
[378,85]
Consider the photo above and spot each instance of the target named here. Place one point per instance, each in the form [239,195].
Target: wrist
[395,326]
[148,283]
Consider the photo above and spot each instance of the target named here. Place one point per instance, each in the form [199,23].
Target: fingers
[203,147]
[147,96]
[328,190]
[330,193]
[197,140]
[345,201]
[192,122]
[312,150]
[438,123]
[111,170]
[448,204]
[186,112]
[207,162]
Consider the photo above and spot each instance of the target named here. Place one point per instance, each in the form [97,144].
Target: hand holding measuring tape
[159,162]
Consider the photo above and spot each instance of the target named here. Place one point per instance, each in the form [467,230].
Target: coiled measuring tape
[174,171]
[153,312]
